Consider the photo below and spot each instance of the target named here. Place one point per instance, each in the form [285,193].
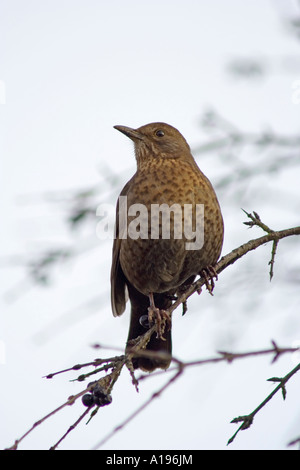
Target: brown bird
[155,257]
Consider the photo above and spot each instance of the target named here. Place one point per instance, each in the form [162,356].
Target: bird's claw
[209,274]
[161,318]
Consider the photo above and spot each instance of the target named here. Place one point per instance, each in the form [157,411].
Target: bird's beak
[129,132]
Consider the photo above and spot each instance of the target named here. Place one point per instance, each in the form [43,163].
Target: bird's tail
[139,314]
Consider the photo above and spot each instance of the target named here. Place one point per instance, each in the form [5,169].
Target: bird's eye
[160,133]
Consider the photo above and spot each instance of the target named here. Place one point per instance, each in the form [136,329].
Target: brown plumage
[152,265]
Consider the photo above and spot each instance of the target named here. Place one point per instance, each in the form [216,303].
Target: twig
[178,369]
[272,260]
[247,420]
[256,220]
[71,428]
[71,400]
[233,256]
[141,342]
[109,363]
[294,441]
[141,408]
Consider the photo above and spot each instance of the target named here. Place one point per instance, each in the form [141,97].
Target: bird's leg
[208,274]
[159,316]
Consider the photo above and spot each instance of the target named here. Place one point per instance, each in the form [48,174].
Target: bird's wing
[119,294]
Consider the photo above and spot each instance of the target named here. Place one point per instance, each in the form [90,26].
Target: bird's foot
[209,274]
[160,317]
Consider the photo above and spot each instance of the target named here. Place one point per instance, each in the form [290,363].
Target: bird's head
[157,140]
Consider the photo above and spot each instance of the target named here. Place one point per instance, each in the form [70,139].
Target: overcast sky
[70,70]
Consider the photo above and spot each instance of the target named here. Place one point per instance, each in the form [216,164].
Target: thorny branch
[236,254]
[255,220]
[98,393]
[247,420]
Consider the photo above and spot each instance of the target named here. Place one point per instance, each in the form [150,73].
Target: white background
[72,70]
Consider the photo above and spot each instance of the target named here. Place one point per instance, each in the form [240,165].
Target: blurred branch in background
[79,209]
[267,151]
[260,67]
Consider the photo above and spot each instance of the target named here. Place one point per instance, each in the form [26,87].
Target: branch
[256,220]
[97,393]
[247,420]
[236,254]
[107,382]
